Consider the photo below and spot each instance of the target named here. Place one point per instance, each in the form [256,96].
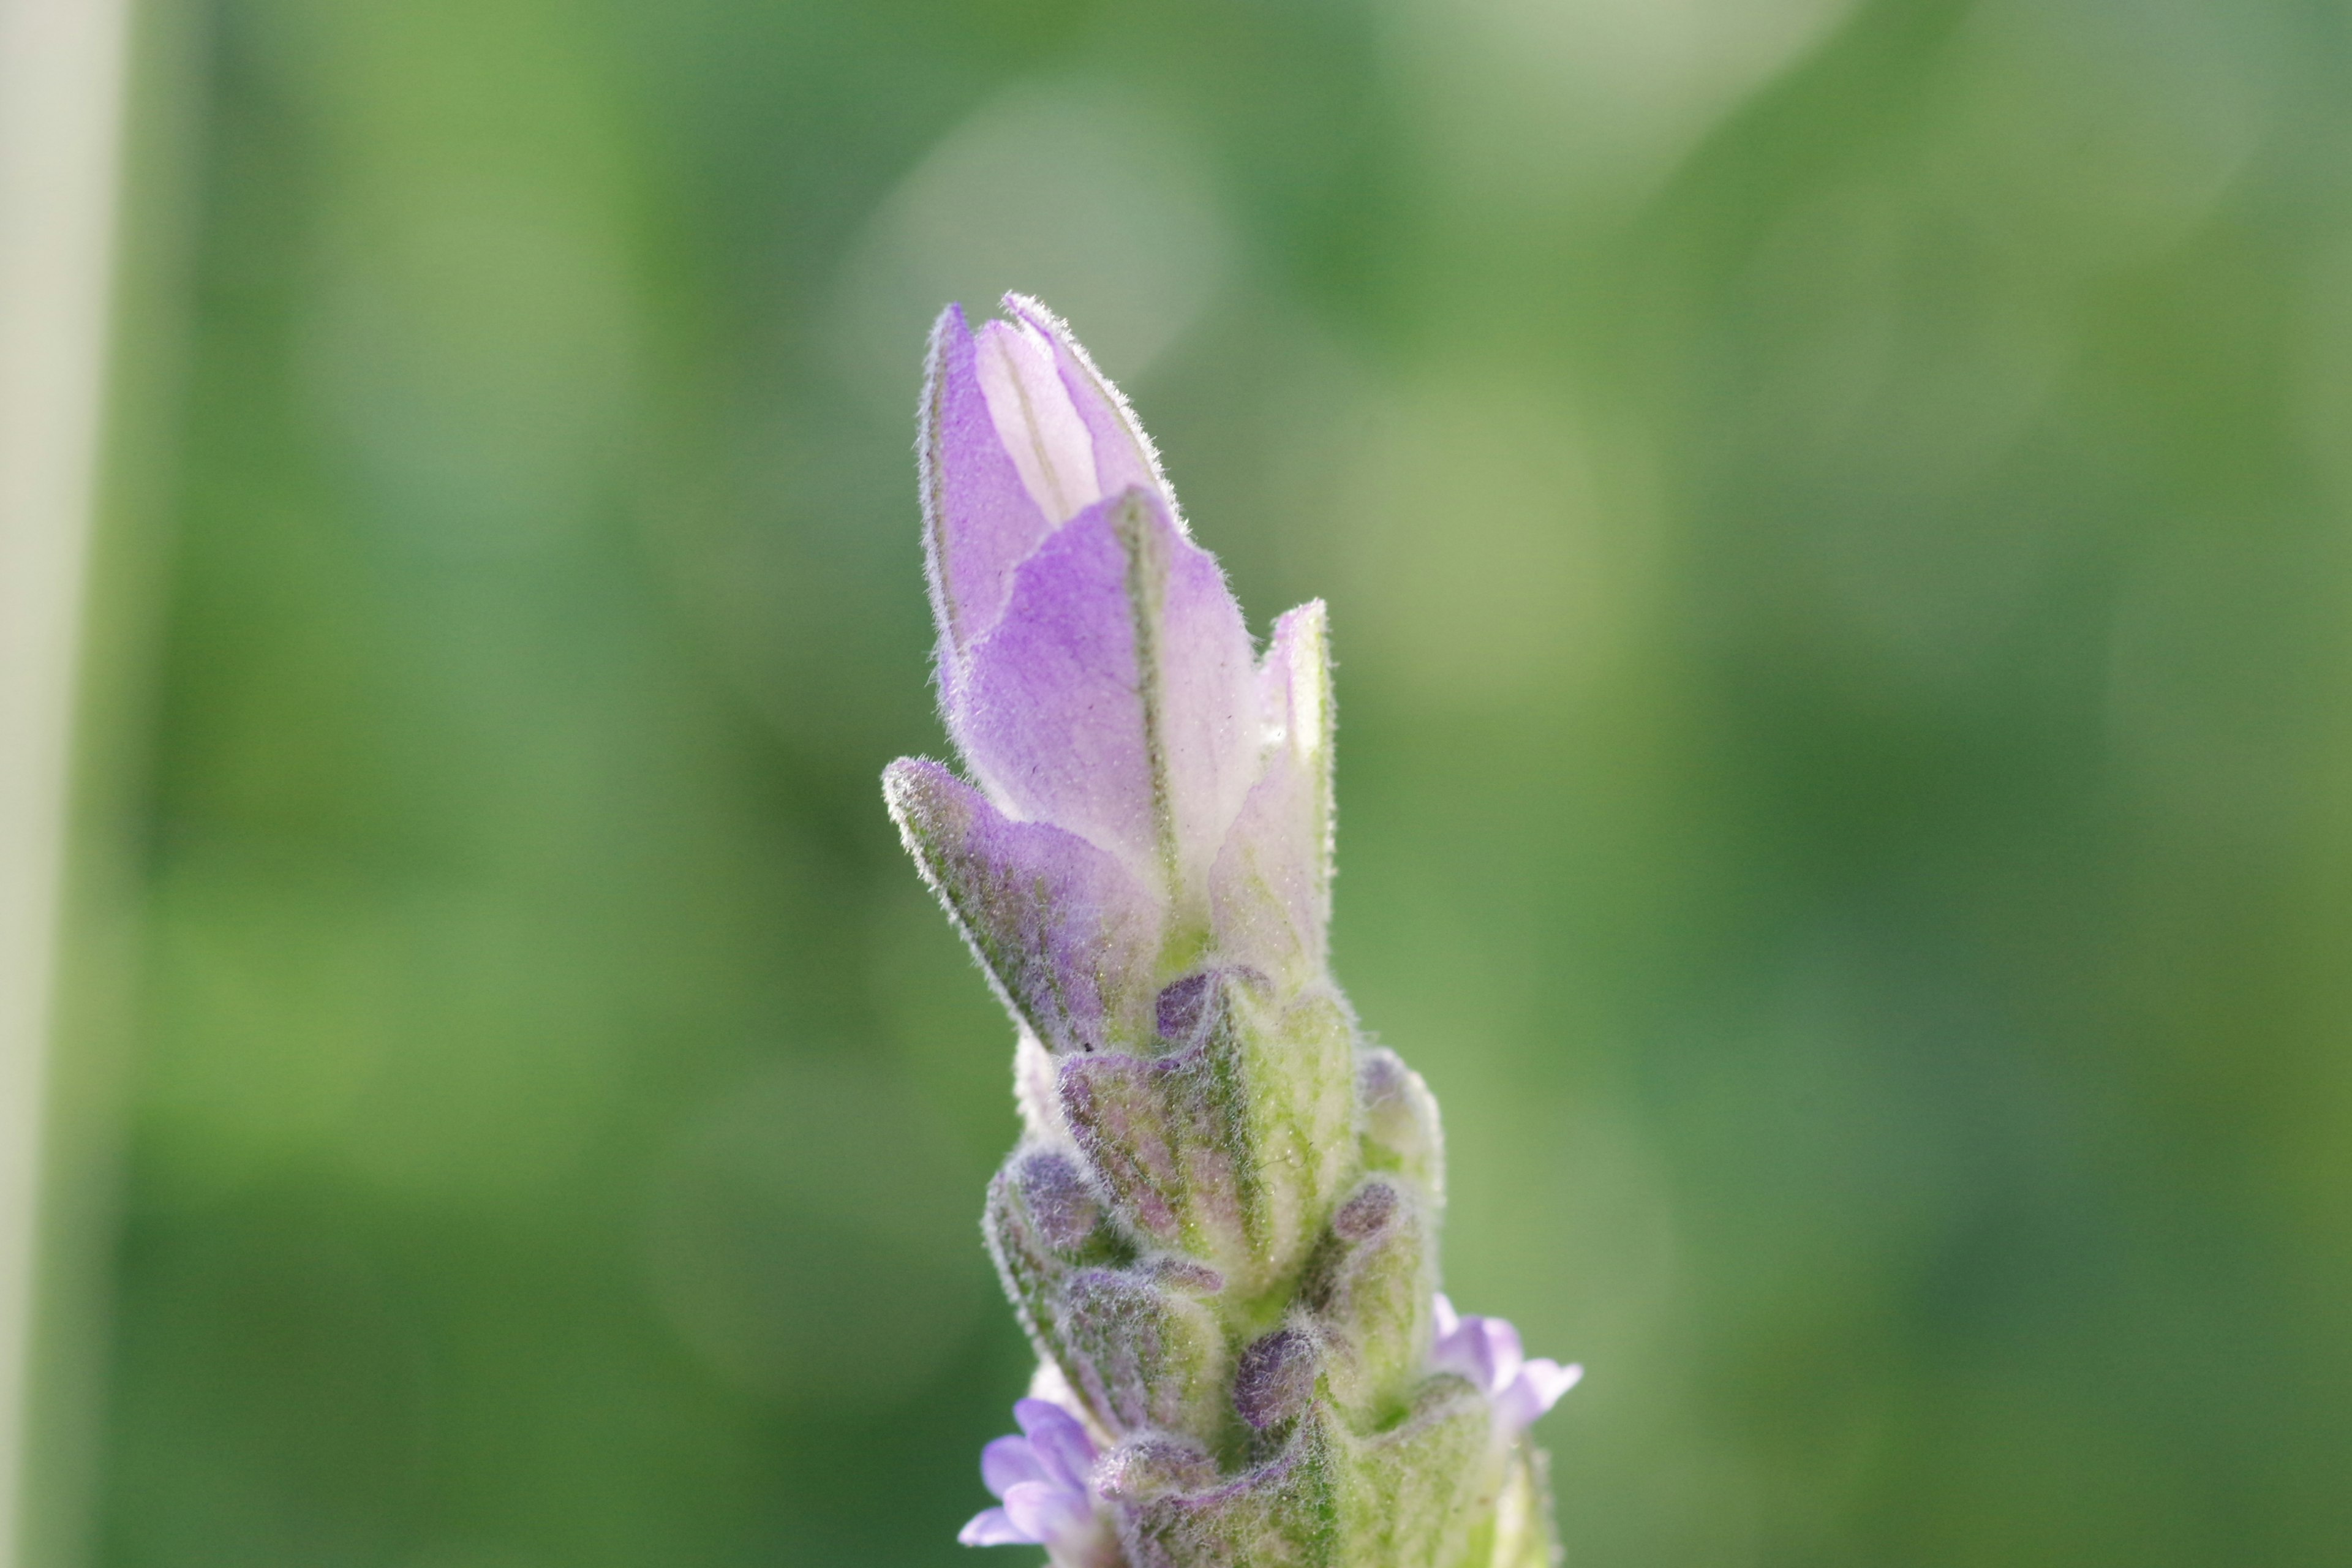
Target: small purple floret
[1040,1478]
[1486,1352]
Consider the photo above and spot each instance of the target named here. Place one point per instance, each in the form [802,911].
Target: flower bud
[1276,1380]
[1060,1204]
[1096,677]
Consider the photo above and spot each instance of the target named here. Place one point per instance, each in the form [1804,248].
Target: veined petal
[1050,446]
[1123,454]
[1059,926]
[980,519]
[1271,889]
[1114,696]
[1062,1443]
[1008,1461]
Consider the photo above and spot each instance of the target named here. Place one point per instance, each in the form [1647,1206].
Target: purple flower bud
[1021,432]
[1184,1006]
[1097,679]
[1367,1214]
[1060,1205]
[1275,1379]
[1486,1352]
[1095,670]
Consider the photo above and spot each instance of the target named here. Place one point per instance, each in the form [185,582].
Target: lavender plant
[1220,1226]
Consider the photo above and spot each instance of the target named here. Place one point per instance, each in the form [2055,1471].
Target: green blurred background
[1838,522]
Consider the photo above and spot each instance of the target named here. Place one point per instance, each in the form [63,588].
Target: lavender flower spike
[1220,1228]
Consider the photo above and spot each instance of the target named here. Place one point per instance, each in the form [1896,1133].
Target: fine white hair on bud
[1220,1228]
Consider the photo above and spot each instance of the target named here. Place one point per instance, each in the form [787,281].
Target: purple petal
[1123,454]
[1534,1390]
[1271,888]
[1043,1511]
[1040,429]
[1483,1350]
[994,1527]
[1062,1445]
[1499,1351]
[1516,1406]
[1060,926]
[979,520]
[1114,696]
[1548,1380]
[1008,1461]
[1448,1321]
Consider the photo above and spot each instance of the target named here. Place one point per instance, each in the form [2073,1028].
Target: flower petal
[979,520]
[1043,1511]
[1062,1443]
[1051,446]
[1123,454]
[1060,927]
[1535,1390]
[1270,890]
[1548,1380]
[1007,1461]
[994,1527]
[1114,696]
[1499,1351]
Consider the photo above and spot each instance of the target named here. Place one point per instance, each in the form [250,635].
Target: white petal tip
[1550,1380]
[993,1527]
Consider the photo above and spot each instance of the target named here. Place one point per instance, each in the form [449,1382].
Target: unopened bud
[1275,1379]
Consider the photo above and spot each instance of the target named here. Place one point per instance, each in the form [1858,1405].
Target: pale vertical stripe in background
[61,75]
